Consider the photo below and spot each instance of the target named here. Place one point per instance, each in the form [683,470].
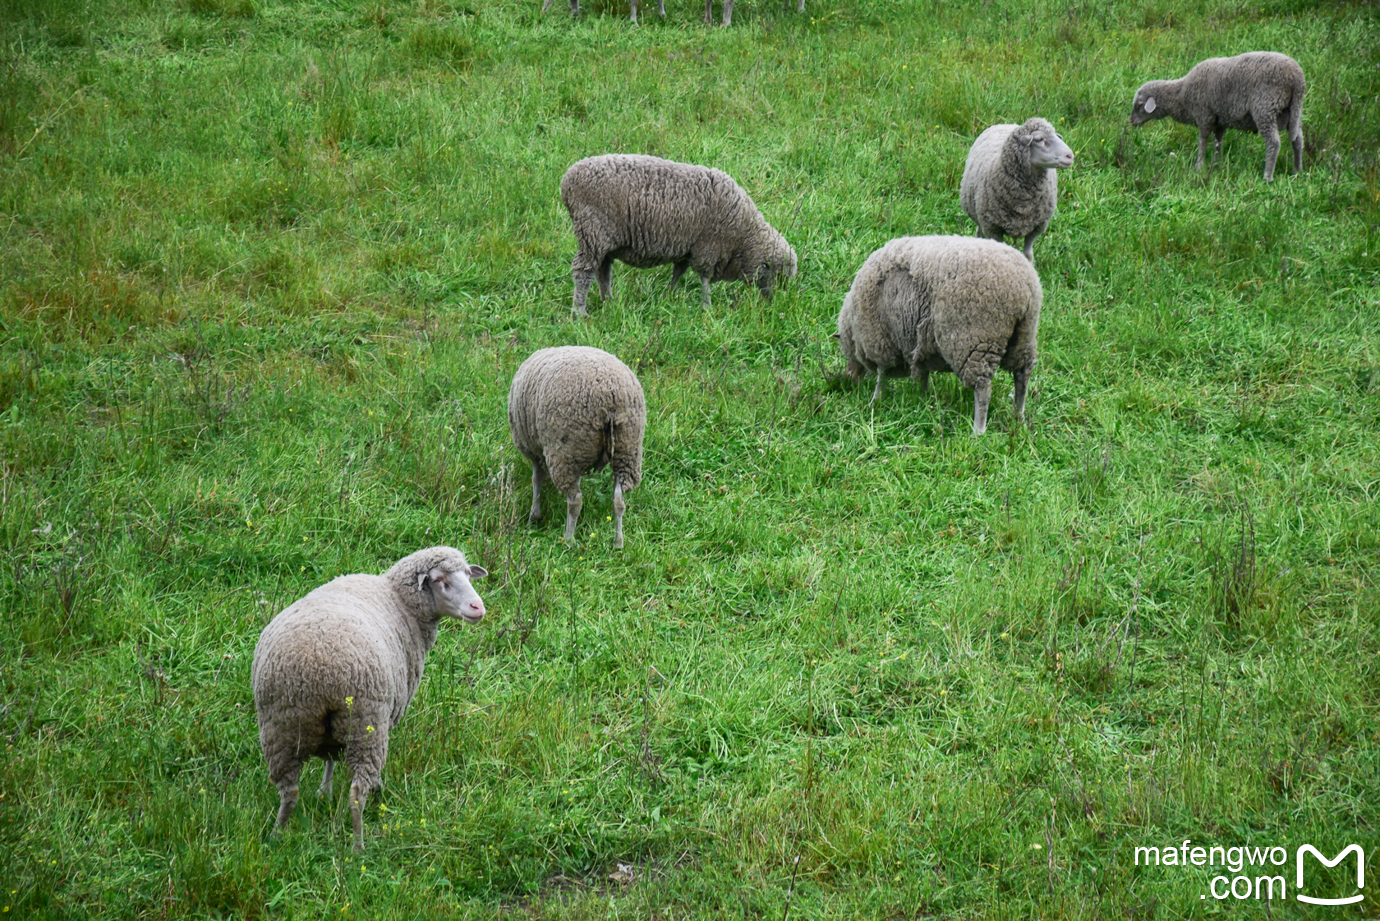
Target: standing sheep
[575,8]
[572,410]
[1009,185]
[949,303]
[1258,91]
[334,672]
[648,212]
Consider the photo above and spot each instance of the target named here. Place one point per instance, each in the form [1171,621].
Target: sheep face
[1145,105]
[779,266]
[1048,150]
[453,594]
[787,269]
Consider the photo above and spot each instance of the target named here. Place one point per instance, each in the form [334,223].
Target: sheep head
[1148,103]
[1047,149]
[435,583]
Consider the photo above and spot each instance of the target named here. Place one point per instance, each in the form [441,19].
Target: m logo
[1360,873]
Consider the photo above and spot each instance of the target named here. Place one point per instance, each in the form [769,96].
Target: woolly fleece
[1260,91]
[333,672]
[573,409]
[647,212]
[944,303]
[1009,184]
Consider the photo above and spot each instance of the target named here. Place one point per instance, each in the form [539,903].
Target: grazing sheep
[334,672]
[648,212]
[575,8]
[572,410]
[947,303]
[1009,185]
[1258,91]
[728,11]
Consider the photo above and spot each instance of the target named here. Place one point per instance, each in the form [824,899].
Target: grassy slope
[265,272]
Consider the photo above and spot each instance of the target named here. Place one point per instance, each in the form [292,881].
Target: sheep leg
[800,7]
[1029,250]
[324,790]
[704,290]
[606,278]
[1270,132]
[881,384]
[982,395]
[287,798]
[1203,131]
[583,275]
[573,502]
[661,7]
[924,382]
[728,12]
[359,795]
[618,506]
[708,13]
[677,271]
[1018,395]
[633,4]
[1294,126]
[535,515]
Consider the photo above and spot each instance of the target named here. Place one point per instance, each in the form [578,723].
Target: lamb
[1009,183]
[333,673]
[1258,91]
[648,212]
[575,8]
[573,409]
[943,303]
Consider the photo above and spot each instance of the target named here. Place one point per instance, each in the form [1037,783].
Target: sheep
[648,211]
[943,303]
[575,8]
[333,672]
[1258,91]
[728,11]
[1009,184]
[573,409]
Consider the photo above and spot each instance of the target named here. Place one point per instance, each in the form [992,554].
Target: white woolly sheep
[572,410]
[1009,183]
[647,211]
[1259,91]
[945,303]
[575,8]
[334,672]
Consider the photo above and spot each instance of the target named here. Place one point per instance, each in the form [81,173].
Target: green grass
[266,270]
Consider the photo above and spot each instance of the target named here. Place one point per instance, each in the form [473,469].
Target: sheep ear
[1149,105]
[421,580]
[833,335]
[478,572]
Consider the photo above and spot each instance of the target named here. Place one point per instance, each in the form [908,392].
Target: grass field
[267,268]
